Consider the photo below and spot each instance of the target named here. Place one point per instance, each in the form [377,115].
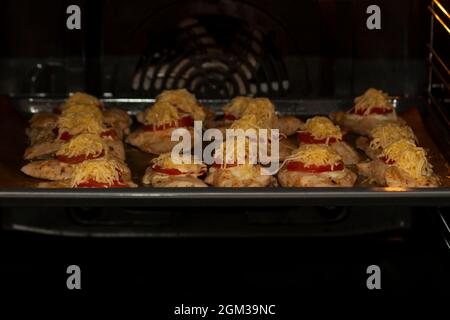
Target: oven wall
[324,46]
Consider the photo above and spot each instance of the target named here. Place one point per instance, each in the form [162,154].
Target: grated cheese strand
[322,128]
[80,98]
[106,171]
[83,108]
[385,134]
[162,113]
[183,100]
[372,98]
[165,161]
[83,144]
[315,155]
[75,123]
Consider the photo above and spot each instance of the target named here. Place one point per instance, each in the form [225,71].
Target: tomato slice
[375,110]
[186,121]
[111,133]
[387,160]
[80,158]
[66,136]
[171,171]
[299,166]
[308,138]
[229,116]
[91,183]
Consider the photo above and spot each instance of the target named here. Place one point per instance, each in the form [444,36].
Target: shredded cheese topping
[385,134]
[262,108]
[81,98]
[237,106]
[76,123]
[322,128]
[83,108]
[315,155]
[164,161]
[162,113]
[407,156]
[183,100]
[372,98]
[106,171]
[84,144]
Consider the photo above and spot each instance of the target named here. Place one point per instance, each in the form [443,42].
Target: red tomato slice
[111,133]
[80,158]
[229,116]
[186,121]
[372,111]
[65,136]
[172,172]
[299,166]
[308,138]
[94,184]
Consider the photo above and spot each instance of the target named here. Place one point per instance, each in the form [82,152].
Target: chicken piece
[40,135]
[343,178]
[238,176]
[286,148]
[289,125]
[374,170]
[161,180]
[348,154]
[396,177]
[362,124]
[116,149]
[42,150]
[58,184]
[117,118]
[43,120]
[155,142]
[48,169]
[363,144]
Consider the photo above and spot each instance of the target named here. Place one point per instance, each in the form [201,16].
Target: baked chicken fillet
[163,173]
[370,110]
[401,164]
[315,166]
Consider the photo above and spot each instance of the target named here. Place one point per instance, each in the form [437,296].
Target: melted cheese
[248,121]
[164,161]
[372,98]
[83,144]
[162,113]
[385,134]
[83,108]
[409,158]
[107,171]
[315,155]
[323,128]
[76,123]
[81,98]
[183,100]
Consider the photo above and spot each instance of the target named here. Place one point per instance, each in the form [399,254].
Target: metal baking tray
[16,189]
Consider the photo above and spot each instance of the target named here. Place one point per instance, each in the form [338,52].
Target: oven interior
[219,49]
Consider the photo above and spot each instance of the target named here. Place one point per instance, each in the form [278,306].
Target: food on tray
[97,173]
[81,148]
[163,172]
[369,110]
[315,165]
[288,125]
[321,130]
[382,136]
[400,164]
[159,122]
[181,100]
[80,98]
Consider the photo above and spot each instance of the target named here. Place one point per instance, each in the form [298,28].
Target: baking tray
[16,189]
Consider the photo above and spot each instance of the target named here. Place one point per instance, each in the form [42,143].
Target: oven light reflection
[395,189]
